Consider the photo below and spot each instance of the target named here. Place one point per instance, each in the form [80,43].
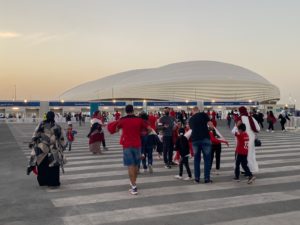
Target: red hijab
[244,112]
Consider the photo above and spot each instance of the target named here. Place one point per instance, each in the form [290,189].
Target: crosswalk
[95,187]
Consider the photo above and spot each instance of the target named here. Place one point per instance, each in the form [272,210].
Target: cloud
[40,38]
[35,38]
[9,35]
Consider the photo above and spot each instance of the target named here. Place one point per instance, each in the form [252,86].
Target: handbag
[257,142]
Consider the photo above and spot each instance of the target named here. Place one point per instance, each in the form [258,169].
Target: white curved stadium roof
[195,80]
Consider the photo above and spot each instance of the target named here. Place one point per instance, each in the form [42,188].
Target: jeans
[203,145]
[131,156]
[168,149]
[148,152]
[69,143]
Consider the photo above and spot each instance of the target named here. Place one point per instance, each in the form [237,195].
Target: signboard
[112,104]
[230,103]
[84,104]
[170,104]
[70,104]
[138,104]
[19,104]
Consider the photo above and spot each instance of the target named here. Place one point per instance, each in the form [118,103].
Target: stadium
[184,81]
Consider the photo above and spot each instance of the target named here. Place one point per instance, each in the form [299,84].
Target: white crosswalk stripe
[91,181]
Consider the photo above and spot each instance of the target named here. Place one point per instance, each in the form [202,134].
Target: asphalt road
[95,188]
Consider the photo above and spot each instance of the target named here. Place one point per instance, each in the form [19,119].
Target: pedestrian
[252,127]
[95,138]
[132,127]
[228,118]
[216,147]
[80,118]
[117,115]
[167,123]
[283,117]
[159,146]
[98,118]
[199,124]
[241,153]
[47,151]
[149,141]
[271,121]
[182,146]
[70,134]
[260,118]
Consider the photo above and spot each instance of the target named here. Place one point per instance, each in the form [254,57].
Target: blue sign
[19,104]
[70,104]
[112,104]
[230,103]
[138,104]
[165,104]
[84,104]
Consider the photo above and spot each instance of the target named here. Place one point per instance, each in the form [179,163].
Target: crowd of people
[175,136]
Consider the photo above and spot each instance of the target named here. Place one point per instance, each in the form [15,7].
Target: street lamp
[25,100]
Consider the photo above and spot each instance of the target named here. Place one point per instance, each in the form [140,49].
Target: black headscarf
[50,117]
[95,126]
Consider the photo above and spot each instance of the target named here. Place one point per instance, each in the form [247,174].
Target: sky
[50,46]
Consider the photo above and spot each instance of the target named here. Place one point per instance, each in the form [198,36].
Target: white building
[192,81]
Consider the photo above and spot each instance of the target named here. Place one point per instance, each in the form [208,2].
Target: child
[159,146]
[70,135]
[241,153]
[182,145]
[216,147]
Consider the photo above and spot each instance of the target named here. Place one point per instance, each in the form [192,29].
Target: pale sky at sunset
[49,46]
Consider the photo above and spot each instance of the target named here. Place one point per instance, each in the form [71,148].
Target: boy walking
[241,154]
[70,135]
[182,145]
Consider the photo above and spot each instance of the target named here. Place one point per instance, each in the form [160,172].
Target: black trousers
[271,126]
[184,161]
[241,160]
[168,149]
[48,176]
[103,143]
[216,149]
[261,124]
[282,125]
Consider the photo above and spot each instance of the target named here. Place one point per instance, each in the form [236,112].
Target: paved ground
[94,188]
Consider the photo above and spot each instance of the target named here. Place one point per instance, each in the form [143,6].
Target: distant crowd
[177,137]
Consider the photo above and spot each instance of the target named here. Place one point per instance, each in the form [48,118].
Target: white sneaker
[134,191]
[268,130]
[272,131]
[178,177]
[188,178]
[145,170]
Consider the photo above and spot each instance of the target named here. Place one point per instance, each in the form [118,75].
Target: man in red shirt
[241,153]
[132,127]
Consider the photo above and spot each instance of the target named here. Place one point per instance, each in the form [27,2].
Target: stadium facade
[192,81]
[207,84]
